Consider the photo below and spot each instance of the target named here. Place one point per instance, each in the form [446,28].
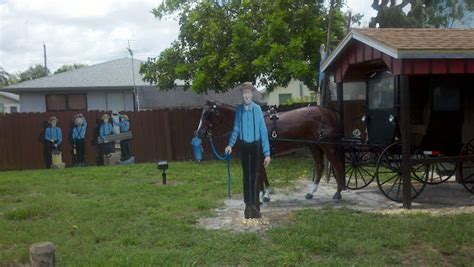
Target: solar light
[163,166]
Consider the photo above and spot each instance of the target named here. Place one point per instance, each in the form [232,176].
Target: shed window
[66,102]
[381,91]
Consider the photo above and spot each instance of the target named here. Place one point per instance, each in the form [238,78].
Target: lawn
[122,215]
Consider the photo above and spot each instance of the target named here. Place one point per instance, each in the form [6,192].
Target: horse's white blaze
[200,122]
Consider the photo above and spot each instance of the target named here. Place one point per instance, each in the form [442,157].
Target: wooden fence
[157,135]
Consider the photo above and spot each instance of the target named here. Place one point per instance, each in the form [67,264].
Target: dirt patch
[444,199]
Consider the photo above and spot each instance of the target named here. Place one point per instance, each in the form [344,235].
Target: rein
[222,157]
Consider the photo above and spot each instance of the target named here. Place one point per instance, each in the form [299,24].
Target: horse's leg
[318,168]
[332,154]
[266,195]
[263,184]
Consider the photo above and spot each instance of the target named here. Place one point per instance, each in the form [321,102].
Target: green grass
[123,216]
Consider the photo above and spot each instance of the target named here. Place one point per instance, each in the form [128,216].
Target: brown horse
[307,123]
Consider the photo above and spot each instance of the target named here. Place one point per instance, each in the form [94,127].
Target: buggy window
[446,99]
[381,91]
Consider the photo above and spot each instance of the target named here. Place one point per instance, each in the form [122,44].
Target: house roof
[411,43]
[151,98]
[10,96]
[111,74]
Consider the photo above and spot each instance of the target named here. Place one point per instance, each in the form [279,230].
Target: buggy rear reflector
[432,152]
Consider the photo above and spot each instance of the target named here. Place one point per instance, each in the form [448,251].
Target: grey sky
[88,31]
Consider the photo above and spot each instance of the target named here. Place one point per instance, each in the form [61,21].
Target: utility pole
[328,41]
[45,66]
[349,21]
[135,91]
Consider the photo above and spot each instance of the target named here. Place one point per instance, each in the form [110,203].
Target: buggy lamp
[391,118]
[363,119]
[163,166]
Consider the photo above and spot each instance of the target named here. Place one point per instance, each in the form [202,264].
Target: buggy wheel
[389,174]
[360,163]
[466,168]
[441,172]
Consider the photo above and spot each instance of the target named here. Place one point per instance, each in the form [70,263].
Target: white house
[105,86]
[9,103]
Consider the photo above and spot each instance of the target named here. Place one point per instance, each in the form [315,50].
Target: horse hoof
[266,199]
[337,196]
[309,196]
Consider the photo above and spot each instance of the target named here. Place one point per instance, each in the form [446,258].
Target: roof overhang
[393,52]
[17,90]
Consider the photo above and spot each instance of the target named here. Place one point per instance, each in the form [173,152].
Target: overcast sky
[88,31]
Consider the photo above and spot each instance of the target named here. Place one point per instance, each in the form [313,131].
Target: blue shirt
[79,132]
[124,126]
[249,126]
[106,129]
[53,133]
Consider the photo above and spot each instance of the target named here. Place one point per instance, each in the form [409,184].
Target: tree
[419,13]
[4,77]
[33,72]
[66,67]
[7,78]
[223,43]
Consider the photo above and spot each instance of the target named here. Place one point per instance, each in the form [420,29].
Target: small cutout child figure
[78,136]
[106,129]
[54,138]
[196,142]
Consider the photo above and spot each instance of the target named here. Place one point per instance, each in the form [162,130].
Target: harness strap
[222,157]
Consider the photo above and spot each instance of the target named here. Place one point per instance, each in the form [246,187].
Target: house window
[13,109]
[283,99]
[66,102]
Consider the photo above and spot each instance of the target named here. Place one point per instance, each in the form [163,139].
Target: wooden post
[43,254]
[401,81]
[340,109]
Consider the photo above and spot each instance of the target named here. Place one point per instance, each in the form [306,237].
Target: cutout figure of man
[124,144]
[54,138]
[106,128]
[78,136]
[249,127]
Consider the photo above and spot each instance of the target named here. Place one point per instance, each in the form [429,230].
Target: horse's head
[211,117]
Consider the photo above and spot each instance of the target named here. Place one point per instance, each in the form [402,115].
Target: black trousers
[250,157]
[80,150]
[108,148]
[125,149]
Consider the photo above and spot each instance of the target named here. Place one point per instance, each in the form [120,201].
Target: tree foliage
[419,13]
[223,43]
[33,72]
[5,77]
[66,67]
